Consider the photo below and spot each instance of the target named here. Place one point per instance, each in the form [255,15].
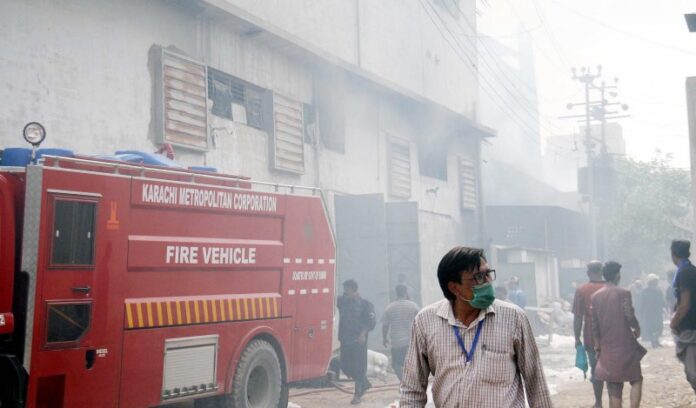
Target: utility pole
[595,111]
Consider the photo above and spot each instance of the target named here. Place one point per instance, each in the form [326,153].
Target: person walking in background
[501,293]
[480,351]
[683,323]
[356,319]
[582,322]
[517,295]
[396,327]
[636,289]
[615,330]
[653,304]
[402,279]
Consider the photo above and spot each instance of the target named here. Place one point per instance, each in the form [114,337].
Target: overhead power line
[486,86]
[623,32]
[473,67]
[531,108]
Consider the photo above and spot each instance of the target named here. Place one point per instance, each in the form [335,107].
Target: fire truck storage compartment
[189,366]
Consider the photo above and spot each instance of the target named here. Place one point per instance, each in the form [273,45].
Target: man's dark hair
[610,270]
[401,290]
[594,267]
[350,283]
[681,248]
[459,259]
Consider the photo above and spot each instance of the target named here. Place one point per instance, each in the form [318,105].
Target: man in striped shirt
[478,350]
[396,324]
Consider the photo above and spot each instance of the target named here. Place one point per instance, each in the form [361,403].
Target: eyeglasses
[482,277]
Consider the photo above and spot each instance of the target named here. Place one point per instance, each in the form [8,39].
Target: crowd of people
[472,349]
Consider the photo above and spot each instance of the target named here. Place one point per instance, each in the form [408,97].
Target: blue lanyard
[470,354]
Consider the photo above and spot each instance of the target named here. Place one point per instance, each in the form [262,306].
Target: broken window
[331,111]
[432,160]
[235,99]
[311,128]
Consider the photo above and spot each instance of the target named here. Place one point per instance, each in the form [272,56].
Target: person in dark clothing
[357,318]
[653,303]
[683,323]
[670,296]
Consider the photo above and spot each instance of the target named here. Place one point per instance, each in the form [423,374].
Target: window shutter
[399,168]
[467,184]
[288,135]
[183,95]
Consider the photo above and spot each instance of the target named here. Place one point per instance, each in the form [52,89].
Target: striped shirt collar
[445,311]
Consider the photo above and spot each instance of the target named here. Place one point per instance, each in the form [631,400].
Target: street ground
[664,384]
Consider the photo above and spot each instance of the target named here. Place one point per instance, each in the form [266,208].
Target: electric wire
[489,88]
[533,110]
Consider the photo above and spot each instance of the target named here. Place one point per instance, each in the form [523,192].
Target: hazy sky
[645,43]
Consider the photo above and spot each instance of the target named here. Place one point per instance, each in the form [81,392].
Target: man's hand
[674,326]
[385,343]
[636,332]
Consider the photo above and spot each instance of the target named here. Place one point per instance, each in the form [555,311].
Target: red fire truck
[135,285]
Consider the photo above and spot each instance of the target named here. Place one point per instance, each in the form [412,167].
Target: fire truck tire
[13,383]
[284,396]
[258,380]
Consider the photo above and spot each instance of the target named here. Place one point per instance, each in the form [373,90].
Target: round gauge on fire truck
[34,133]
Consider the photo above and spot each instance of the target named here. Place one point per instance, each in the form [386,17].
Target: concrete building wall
[83,68]
[510,72]
[394,40]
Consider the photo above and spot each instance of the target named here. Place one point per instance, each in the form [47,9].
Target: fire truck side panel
[10,188]
[143,366]
[7,227]
[73,344]
[133,276]
[309,286]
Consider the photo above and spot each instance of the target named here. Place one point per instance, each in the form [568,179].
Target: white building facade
[356,97]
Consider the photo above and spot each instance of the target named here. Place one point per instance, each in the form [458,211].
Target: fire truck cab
[125,284]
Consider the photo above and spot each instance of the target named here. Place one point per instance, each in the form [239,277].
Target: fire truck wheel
[258,380]
[284,396]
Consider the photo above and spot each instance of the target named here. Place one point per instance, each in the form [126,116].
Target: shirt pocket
[496,368]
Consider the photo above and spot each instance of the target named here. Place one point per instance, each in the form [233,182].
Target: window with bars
[288,134]
[399,168]
[235,99]
[468,184]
